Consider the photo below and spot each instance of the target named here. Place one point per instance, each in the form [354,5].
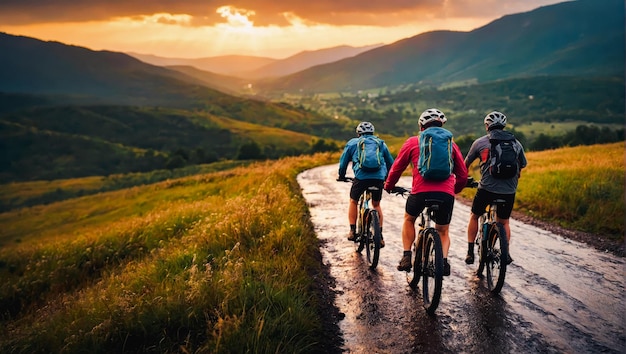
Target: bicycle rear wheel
[372,239]
[432,275]
[497,254]
[413,278]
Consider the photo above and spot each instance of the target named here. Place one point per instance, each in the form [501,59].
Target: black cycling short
[359,186]
[415,203]
[484,197]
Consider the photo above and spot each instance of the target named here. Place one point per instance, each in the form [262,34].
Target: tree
[249,151]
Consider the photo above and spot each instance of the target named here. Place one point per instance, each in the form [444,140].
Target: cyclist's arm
[472,154]
[399,165]
[387,156]
[460,170]
[522,157]
[344,160]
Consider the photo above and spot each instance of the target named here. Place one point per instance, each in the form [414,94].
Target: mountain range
[260,67]
[583,37]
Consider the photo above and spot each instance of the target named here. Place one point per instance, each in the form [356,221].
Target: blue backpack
[435,160]
[369,153]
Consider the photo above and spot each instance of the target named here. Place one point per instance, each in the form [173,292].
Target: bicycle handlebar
[399,190]
[471,183]
[345,179]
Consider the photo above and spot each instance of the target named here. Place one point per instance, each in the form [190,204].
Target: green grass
[21,194]
[533,129]
[217,262]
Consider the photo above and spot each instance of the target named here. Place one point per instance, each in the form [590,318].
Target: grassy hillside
[76,141]
[181,265]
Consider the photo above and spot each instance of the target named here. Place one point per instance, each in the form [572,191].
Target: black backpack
[503,162]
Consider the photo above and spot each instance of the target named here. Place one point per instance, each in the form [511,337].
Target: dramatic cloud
[275,28]
[261,12]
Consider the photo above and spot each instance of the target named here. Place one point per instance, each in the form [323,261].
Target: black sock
[353,228]
[445,260]
[407,253]
[470,248]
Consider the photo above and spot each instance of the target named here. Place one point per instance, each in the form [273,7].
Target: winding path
[560,296]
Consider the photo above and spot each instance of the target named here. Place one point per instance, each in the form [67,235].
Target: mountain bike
[493,245]
[368,233]
[428,261]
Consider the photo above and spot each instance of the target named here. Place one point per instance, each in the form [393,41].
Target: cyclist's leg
[414,206]
[408,231]
[479,204]
[377,196]
[443,218]
[503,215]
[355,194]
[352,211]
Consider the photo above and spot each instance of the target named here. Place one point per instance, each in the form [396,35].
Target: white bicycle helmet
[494,119]
[364,128]
[431,115]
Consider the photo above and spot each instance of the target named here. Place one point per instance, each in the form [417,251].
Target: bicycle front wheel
[497,254]
[373,236]
[432,274]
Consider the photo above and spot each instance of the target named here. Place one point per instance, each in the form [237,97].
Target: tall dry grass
[215,263]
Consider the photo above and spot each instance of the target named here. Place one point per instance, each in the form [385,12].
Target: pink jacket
[409,153]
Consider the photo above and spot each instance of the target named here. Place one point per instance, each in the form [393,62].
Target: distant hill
[305,60]
[32,66]
[58,142]
[38,73]
[230,65]
[584,37]
[251,67]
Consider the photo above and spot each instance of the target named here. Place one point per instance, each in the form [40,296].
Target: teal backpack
[435,160]
[369,153]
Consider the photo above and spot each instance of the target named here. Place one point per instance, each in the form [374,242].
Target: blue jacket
[350,155]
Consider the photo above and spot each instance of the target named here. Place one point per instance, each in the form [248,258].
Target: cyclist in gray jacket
[490,187]
[362,178]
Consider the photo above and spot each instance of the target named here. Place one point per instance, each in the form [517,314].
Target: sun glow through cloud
[237,18]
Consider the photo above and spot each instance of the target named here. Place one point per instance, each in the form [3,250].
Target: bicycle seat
[433,204]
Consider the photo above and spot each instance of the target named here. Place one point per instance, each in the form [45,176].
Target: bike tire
[497,254]
[432,273]
[413,277]
[373,239]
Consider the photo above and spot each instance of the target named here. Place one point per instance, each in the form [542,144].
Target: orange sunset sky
[267,28]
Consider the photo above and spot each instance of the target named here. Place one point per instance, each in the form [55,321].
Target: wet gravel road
[560,296]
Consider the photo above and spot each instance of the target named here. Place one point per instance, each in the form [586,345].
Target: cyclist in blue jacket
[363,178]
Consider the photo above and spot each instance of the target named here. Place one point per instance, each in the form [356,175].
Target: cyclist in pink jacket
[423,189]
